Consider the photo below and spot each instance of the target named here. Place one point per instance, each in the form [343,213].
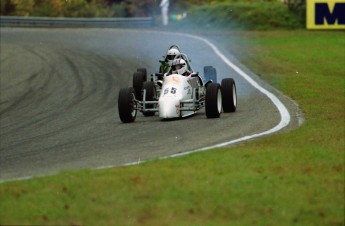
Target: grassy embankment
[296,178]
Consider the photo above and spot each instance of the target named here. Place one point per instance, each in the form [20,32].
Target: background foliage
[76,8]
[248,14]
[209,13]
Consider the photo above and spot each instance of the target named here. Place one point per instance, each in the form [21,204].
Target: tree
[20,8]
[295,5]
[7,7]
[298,7]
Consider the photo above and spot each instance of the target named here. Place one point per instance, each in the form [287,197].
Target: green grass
[294,178]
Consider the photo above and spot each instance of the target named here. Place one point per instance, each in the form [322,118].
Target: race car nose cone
[169,107]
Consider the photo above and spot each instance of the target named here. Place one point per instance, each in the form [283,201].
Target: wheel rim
[219,101]
[234,95]
[133,106]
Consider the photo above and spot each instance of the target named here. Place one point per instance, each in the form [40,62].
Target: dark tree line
[78,8]
[109,8]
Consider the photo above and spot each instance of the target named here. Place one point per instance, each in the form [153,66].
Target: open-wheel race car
[178,93]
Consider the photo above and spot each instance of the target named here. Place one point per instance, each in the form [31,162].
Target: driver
[171,54]
[179,66]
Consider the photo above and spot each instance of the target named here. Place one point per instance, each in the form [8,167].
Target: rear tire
[138,80]
[127,105]
[213,101]
[229,95]
[150,96]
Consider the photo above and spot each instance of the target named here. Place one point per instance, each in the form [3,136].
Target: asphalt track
[58,102]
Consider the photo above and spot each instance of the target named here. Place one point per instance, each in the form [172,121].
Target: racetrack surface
[58,102]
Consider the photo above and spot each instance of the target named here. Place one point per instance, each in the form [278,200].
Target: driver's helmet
[179,66]
[171,54]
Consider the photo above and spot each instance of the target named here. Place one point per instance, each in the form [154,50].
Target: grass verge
[295,178]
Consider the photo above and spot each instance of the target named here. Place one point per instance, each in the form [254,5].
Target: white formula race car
[174,95]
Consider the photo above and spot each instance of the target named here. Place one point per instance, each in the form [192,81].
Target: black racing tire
[210,73]
[144,71]
[138,80]
[150,96]
[127,105]
[229,95]
[213,100]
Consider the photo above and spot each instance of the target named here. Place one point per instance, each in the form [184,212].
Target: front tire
[143,71]
[127,105]
[139,78]
[229,95]
[213,101]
